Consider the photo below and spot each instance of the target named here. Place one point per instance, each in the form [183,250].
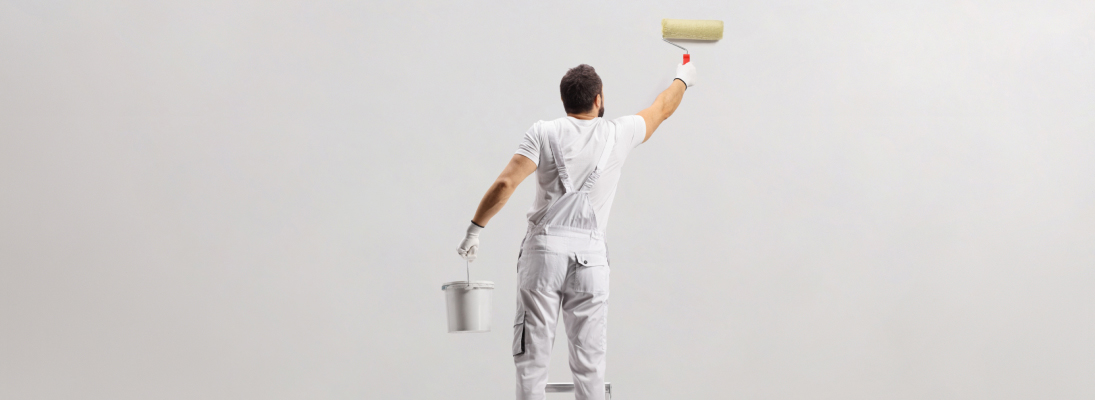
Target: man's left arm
[519,168]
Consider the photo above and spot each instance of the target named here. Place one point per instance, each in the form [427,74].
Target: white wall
[860,200]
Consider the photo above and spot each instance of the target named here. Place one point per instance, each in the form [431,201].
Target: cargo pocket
[519,334]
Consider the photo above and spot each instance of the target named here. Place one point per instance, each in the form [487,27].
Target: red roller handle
[685,59]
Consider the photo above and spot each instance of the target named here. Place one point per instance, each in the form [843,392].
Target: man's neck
[585,116]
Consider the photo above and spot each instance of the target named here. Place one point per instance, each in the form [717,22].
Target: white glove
[687,73]
[470,246]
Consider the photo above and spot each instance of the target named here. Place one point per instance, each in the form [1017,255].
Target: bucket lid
[468,285]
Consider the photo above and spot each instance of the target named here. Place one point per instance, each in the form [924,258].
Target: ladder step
[569,388]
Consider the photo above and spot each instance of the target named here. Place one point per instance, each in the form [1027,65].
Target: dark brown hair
[579,88]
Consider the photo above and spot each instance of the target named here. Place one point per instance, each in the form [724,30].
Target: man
[563,262]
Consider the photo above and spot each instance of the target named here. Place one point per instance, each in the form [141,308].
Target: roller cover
[695,29]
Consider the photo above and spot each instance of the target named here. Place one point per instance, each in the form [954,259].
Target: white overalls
[563,262]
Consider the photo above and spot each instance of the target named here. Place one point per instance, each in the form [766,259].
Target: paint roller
[690,29]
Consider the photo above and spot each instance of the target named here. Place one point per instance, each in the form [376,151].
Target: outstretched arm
[667,102]
[519,168]
[663,107]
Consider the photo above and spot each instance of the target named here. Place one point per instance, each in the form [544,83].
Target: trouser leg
[534,336]
[585,313]
[540,278]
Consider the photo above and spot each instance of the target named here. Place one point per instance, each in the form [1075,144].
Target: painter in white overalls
[563,265]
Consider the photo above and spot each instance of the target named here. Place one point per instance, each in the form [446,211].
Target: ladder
[569,388]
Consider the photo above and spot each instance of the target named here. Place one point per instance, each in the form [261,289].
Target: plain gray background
[260,200]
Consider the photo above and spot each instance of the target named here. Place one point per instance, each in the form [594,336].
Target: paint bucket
[468,305]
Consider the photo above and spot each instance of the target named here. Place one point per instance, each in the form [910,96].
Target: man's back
[581,142]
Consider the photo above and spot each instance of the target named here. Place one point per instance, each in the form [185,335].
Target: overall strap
[592,179]
[553,143]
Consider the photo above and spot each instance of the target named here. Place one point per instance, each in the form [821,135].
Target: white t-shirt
[581,142]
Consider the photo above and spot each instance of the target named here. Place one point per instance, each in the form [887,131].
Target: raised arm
[669,99]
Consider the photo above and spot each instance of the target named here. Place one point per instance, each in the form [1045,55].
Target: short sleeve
[631,129]
[530,144]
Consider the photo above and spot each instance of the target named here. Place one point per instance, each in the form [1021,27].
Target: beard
[601,112]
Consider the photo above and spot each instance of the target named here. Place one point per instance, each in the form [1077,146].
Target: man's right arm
[668,100]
